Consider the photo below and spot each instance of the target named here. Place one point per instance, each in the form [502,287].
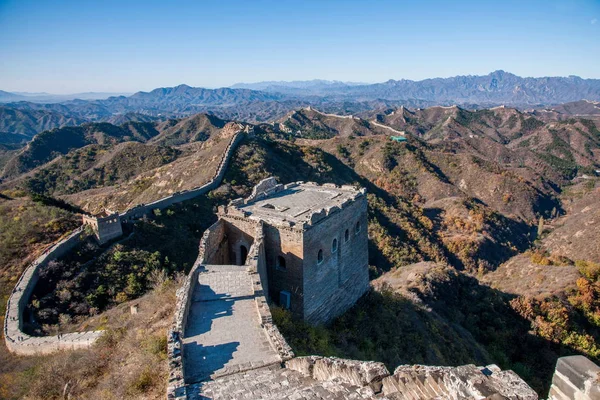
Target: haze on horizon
[110,46]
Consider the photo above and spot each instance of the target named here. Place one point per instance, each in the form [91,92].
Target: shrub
[143,382]
[588,269]
[343,151]
[540,258]
[155,345]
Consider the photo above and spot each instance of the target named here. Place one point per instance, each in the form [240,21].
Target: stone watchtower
[315,244]
[106,225]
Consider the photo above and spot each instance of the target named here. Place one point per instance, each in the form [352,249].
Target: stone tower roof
[298,204]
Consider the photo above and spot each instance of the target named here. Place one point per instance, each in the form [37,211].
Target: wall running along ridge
[140,210]
[21,343]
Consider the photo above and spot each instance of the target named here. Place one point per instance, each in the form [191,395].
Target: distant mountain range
[498,87]
[312,87]
[54,98]
[275,99]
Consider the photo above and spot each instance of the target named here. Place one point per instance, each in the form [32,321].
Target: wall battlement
[106,226]
[298,205]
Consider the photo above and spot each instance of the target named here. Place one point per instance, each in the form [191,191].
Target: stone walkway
[275,383]
[224,334]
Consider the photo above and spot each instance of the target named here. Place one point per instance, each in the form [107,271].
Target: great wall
[20,342]
[223,343]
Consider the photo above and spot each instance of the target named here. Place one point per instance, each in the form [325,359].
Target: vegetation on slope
[92,279]
[426,202]
[97,166]
[128,362]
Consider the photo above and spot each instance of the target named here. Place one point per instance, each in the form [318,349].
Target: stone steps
[273,383]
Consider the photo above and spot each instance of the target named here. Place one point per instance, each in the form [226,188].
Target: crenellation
[301,218]
[317,216]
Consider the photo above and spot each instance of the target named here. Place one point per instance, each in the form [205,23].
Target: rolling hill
[455,244]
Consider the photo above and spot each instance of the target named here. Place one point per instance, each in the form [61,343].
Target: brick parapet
[269,186]
[256,257]
[176,385]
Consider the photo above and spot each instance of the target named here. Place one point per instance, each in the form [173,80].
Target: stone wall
[463,382]
[288,244]
[143,209]
[575,377]
[335,284]
[416,381]
[211,242]
[176,383]
[239,234]
[257,267]
[21,343]
[353,372]
[106,228]
[214,247]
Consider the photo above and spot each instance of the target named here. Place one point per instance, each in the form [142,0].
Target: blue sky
[125,46]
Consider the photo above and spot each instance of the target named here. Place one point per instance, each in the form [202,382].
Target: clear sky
[64,46]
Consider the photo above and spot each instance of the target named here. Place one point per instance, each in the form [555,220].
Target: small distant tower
[106,225]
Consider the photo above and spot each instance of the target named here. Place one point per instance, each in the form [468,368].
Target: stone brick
[575,377]
[300,219]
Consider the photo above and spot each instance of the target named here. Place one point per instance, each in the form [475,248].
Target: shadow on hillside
[455,321]
[488,316]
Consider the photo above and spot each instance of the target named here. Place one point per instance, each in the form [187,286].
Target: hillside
[30,122]
[102,165]
[453,219]
[47,145]
[309,123]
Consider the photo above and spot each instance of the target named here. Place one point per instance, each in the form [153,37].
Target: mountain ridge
[274,101]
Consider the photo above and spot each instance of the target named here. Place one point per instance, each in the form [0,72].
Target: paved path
[224,334]
[276,383]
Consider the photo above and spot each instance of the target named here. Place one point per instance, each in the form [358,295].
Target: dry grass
[128,362]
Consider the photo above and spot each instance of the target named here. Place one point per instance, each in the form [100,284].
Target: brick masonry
[106,228]
[575,377]
[335,284]
[303,220]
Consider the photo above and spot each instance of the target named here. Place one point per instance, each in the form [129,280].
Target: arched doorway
[243,254]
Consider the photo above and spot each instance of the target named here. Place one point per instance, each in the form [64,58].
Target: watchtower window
[346,235]
[334,246]
[280,262]
[357,227]
[320,256]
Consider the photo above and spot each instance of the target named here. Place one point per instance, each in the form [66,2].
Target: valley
[482,232]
